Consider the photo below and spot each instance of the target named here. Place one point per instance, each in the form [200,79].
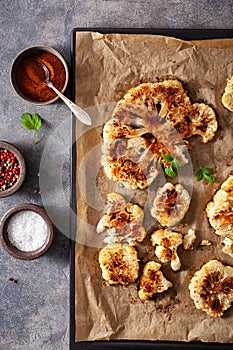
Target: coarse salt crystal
[27,230]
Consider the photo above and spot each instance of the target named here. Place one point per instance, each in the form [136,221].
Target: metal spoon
[77,111]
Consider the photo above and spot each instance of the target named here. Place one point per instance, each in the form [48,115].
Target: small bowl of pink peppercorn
[26,232]
[12,169]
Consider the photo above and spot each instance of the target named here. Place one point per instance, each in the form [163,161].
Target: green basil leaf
[207,171]
[209,178]
[27,124]
[167,157]
[31,122]
[35,117]
[170,172]
[199,175]
[25,116]
[37,121]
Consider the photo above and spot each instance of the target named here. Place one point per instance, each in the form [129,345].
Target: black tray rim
[179,33]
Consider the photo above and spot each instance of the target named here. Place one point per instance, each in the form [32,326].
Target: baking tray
[184,34]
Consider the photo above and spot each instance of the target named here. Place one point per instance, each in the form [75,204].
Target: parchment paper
[106,67]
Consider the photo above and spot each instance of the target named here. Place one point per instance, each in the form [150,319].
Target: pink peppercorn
[9,169]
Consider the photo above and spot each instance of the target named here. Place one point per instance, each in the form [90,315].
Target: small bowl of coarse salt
[26,231]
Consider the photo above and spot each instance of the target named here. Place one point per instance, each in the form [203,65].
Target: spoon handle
[77,111]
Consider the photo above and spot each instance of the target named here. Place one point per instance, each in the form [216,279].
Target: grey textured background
[34,313]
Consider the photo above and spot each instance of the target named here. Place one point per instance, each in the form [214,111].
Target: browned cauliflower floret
[152,281]
[170,204]
[204,123]
[228,246]
[189,239]
[220,210]
[227,98]
[220,214]
[123,222]
[205,243]
[166,243]
[211,288]
[119,264]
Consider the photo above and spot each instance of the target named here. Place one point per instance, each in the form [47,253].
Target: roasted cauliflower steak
[119,264]
[152,119]
[211,288]
[170,204]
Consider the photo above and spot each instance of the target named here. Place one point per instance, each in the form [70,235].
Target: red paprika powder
[30,76]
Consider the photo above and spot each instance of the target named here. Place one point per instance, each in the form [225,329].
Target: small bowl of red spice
[28,77]
[12,169]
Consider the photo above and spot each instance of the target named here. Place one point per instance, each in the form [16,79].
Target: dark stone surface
[34,313]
